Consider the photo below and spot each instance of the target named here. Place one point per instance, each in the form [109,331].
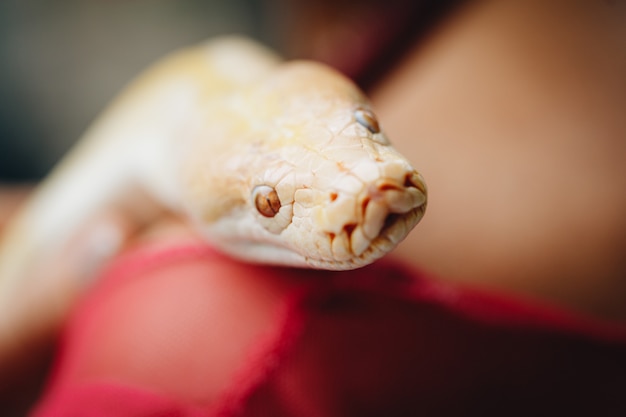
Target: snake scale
[273,162]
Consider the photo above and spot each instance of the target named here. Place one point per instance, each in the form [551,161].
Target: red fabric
[182,331]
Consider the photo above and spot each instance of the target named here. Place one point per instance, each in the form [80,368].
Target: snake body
[273,162]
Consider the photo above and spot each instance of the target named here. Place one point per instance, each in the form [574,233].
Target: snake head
[347,203]
[320,186]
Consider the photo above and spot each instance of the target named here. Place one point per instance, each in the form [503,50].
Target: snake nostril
[333,196]
[413,179]
[408,180]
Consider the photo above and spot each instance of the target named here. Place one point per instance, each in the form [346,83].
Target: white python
[280,163]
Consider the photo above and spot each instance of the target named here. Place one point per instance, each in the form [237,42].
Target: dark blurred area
[61,61]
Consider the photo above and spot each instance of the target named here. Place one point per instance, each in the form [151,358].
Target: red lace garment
[182,331]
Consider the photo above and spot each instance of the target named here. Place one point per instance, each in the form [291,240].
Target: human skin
[514,112]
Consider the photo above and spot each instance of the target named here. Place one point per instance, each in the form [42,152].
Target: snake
[271,161]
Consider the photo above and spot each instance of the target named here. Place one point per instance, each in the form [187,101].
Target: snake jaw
[387,209]
[350,222]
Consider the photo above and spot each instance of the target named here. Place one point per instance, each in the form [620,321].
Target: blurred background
[62,61]
[518,106]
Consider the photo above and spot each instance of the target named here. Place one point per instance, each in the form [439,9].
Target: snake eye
[367,119]
[266,200]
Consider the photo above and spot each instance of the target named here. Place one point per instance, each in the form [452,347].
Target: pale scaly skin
[208,133]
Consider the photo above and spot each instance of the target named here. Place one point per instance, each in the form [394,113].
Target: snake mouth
[396,227]
[387,211]
[398,224]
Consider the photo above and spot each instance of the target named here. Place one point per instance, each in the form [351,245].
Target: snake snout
[385,211]
[389,203]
